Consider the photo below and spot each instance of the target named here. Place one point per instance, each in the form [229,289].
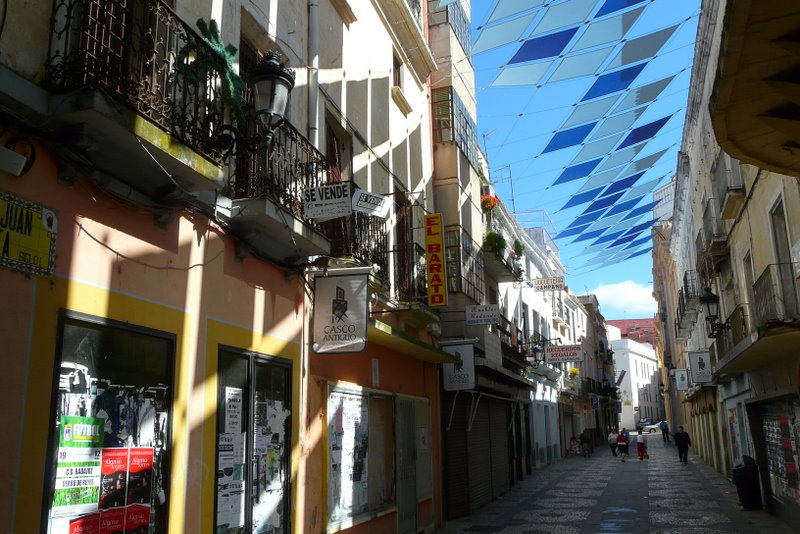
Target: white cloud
[626,300]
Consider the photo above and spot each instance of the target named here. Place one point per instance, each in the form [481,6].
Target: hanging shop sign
[681,380]
[27,236]
[340,313]
[563,353]
[700,367]
[370,203]
[621,377]
[461,374]
[555,283]
[434,259]
[484,314]
[327,201]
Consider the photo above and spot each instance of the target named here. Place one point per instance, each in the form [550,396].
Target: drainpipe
[313,72]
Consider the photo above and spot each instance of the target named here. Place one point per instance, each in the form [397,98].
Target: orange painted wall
[114,262]
[400,374]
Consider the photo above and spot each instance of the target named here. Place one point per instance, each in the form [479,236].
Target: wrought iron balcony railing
[776,297]
[144,57]
[411,278]
[365,239]
[292,165]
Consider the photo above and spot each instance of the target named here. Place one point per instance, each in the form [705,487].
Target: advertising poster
[88,524]
[233,410]
[340,313]
[112,521]
[114,481]
[137,519]
[348,441]
[78,469]
[461,374]
[140,475]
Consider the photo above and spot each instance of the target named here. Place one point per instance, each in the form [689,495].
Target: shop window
[111,428]
[253,422]
[365,468]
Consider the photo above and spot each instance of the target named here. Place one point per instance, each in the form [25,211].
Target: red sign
[434,258]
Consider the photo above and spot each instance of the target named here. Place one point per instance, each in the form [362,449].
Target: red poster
[140,475]
[137,519]
[88,524]
[114,478]
[112,521]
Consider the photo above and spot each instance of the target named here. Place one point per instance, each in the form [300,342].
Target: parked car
[644,421]
[651,429]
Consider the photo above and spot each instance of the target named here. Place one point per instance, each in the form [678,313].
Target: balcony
[688,301]
[715,234]
[514,358]
[133,83]
[364,239]
[739,329]
[497,262]
[728,187]
[265,199]
[753,102]
[776,297]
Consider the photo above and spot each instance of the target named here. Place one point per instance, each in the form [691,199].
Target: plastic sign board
[461,374]
[434,260]
[700,367]
[555,283]
[370,203]
[484,314]
[681,380]
[27,236]
[327,201]
[563,353]
[340,313]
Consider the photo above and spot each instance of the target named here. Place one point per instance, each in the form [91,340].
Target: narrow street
[603,494]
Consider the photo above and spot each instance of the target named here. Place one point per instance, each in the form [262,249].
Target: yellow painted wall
[114,262]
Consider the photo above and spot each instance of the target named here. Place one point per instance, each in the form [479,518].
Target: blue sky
[528,98]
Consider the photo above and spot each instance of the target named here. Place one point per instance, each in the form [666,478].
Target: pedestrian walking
[612,442]
[664,431]
[622,444]
[641,447]
[683,442]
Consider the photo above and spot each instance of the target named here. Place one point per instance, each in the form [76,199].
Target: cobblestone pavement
[601,494]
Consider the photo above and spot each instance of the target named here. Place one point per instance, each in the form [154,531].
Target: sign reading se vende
[563,353]
[327,201]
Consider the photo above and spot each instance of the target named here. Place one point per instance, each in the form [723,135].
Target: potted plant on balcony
[489,202]
[495,242]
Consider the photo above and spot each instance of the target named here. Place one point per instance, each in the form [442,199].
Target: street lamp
[271,83]
[711,302]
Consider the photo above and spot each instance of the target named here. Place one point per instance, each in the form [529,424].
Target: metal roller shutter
[501,468]
[456,474]
[479,456]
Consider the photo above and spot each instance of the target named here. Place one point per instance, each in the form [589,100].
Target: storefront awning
[382,334]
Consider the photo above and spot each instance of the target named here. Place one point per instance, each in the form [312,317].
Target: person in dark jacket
[683,442]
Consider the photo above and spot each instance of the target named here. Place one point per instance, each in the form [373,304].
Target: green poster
[77,489]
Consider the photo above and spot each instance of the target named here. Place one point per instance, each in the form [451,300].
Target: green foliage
[232,83]
[495,242]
